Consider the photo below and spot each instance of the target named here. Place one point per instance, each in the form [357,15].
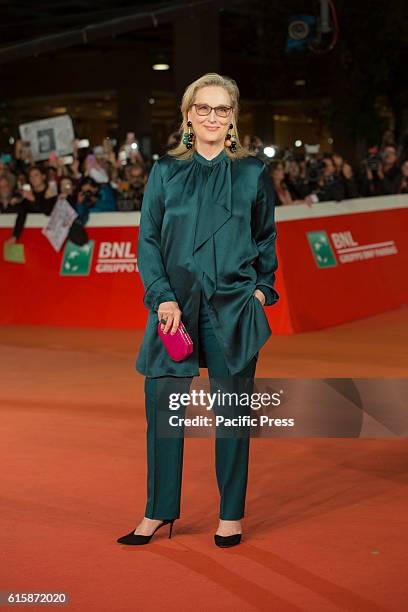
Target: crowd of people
[307,178]
[100,180]
[104,179]
[332,178]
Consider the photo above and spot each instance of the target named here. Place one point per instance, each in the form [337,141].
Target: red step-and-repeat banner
[337,262]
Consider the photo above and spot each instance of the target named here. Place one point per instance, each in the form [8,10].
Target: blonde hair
[210,78]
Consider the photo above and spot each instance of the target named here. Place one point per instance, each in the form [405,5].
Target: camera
[88,191]
[314,167]
[373,160]
[90,198]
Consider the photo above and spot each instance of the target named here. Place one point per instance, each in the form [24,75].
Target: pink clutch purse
[180,345]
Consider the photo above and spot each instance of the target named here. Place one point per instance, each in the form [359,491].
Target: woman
[206,255]
[282,192]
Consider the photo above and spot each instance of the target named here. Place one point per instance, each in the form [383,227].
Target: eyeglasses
[205,109]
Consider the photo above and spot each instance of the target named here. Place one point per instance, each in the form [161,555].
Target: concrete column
[196,48]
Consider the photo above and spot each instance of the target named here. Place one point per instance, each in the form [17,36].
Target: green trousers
[165,453]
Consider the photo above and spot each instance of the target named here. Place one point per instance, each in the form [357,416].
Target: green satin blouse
[207,225]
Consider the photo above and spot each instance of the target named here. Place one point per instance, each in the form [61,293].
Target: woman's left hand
[260,296]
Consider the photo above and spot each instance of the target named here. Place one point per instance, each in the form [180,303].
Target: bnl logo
[77,259]
[321,249]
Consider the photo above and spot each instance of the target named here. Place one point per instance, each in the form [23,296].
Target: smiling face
[211,128]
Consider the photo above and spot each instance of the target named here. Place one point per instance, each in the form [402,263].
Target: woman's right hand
[171,312]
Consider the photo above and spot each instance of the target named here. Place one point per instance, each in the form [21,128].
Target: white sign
[46,136]
[61,219]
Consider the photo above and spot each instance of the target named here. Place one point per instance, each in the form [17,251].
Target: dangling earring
[230,140]
[188,137]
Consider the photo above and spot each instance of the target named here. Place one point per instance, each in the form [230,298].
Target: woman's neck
[209,150]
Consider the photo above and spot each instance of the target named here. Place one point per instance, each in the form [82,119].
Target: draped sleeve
[149,253]
[264,233]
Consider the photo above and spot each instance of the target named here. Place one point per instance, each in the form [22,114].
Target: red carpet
[326,518]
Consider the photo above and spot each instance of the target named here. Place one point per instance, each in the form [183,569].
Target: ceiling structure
[252,34]
[29,29]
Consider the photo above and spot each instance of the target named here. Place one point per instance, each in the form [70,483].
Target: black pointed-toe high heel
[134,539]
[227,541]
